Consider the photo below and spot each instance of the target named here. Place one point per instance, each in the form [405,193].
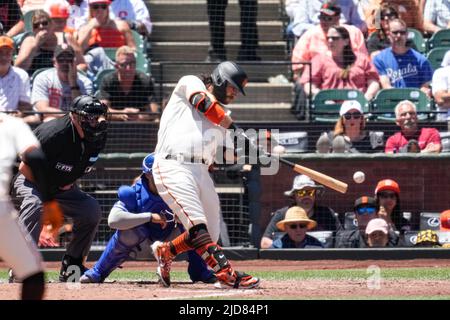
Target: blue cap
[147,163]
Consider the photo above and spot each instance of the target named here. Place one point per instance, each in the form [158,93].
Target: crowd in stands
[376,221]
[54,50]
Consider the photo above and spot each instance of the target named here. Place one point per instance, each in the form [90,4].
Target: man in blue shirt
[400,66]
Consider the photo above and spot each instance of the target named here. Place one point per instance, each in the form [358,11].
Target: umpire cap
[231,72]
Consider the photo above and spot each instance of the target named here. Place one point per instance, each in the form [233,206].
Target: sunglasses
[334,38]
[65,60]
[366,210]
[297,226]
[40,23]
[126,64]
[387,195]
[306,193]
[99,6]
[354,115]
[400,32]
[326,18]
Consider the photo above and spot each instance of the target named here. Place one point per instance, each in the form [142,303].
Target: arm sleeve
[191,85]
[105,88]
[435,137]
[142,14]
[440,82]
[427,71]
[389,145]
[85,85]
[272,226]
[379,65]
[121,219]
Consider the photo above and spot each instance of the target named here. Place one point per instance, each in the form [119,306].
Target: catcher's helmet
[147,163]
[228,72]
[88,108]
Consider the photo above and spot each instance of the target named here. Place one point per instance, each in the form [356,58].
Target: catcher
[141,214]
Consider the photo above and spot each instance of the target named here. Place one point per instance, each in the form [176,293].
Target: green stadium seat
[326,104]
[436,55]
[418,40]
[439,39]
[99,77]
[385,101]
[27,19]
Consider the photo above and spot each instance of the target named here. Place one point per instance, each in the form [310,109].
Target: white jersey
[16,137]
[184,130]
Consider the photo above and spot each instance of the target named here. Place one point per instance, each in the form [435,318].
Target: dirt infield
[270,289]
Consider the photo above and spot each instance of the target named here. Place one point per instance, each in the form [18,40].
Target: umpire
[71,145]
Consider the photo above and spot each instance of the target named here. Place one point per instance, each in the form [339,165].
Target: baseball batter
[193,126]
[141,214]
[16,248]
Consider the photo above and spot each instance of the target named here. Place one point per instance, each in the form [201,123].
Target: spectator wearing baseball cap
[304,194]
[349,134]
[14,83]
[296,223]
[387,194]
[377,232]
[365,208]
[445,221]
[54,89]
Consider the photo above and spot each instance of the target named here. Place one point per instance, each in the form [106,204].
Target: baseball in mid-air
[359,177]
[279,149]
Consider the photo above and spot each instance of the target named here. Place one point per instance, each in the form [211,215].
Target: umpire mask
[89,109]
[227,72]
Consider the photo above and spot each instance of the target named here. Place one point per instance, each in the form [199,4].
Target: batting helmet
[228,72]
[147,163]
[88,108]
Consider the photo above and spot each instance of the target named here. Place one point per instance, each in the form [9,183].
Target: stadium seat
[445,141]
[436,55]
[27,19]
[430,221]
[383,105]
[439,39]
[99,77]
[350,222]
[325,237]
[293,142]
[417,39]
[326,104]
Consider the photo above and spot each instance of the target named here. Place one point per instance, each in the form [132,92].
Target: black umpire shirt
[68,156]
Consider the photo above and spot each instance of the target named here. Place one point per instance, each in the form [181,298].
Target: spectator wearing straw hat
[304,194]
[295,224]
[366,209]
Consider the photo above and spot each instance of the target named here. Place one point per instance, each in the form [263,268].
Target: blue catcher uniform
[137,199]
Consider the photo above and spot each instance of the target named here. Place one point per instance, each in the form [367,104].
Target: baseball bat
[328,181]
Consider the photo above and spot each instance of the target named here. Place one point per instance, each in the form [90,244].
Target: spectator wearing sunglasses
[103,31]
[304,194]
[314,41]
[343,69]
[366,209]
[36,50]
[127,92]
[349,134]
[306,15]
[400,66]
[387,194]
[428,139]
[296,223]
[54,89]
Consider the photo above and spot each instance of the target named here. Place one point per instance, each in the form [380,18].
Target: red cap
[58,10]
[445,220]
[387,184]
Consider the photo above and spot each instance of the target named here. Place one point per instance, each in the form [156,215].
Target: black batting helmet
[231,72]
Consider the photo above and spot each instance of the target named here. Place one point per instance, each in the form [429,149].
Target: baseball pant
[16,247]
[81,207]
[189,191]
